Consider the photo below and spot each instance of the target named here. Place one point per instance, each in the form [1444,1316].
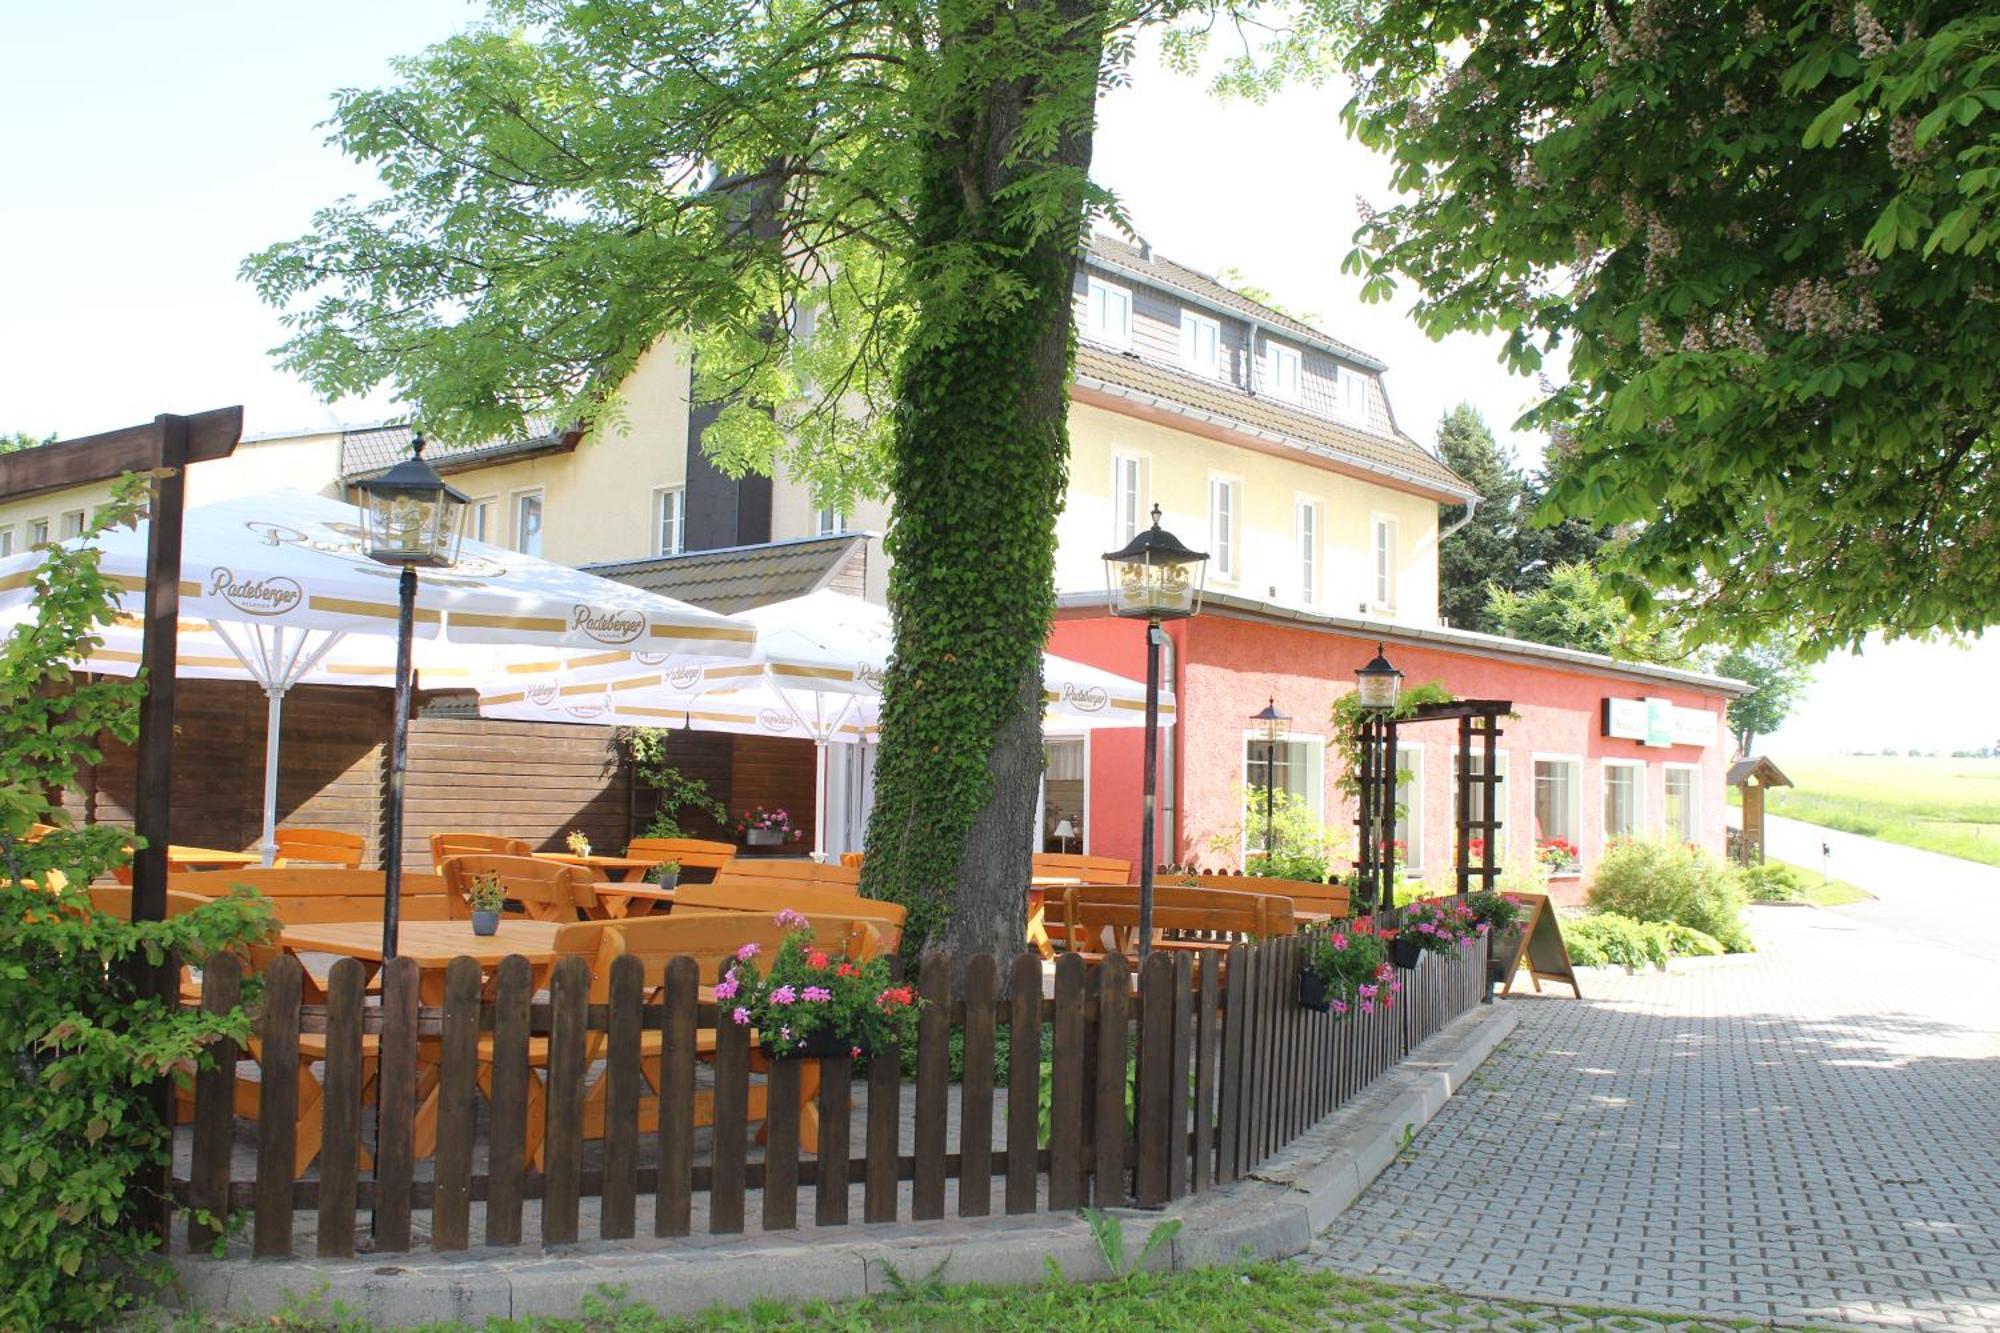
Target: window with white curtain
[1308,534]
[1201,343]
[1624,799]
[1382,563]
[1107,314]
[670,511]
[829,521]
[1683,809]
[479,519]
[1285,381]
[1128,497]
[1350,397]
[1064,804]
[528,523]
[1558,793]
[1225,521]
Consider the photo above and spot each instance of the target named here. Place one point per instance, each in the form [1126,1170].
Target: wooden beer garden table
[431,945]
[623,869]
[208,858]
[621,899]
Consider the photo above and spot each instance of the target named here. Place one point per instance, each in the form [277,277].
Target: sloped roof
[1227,405]
[1192,282]
[1763,770]
[737,578]
[376,449]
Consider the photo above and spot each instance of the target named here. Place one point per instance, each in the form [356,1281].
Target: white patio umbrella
[279,583]
[817,676]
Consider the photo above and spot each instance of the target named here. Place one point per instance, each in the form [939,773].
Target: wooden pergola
[1478,724]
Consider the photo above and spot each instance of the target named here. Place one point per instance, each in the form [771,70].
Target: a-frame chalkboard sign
[1542,951]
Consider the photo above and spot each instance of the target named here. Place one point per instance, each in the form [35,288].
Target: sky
[151,147]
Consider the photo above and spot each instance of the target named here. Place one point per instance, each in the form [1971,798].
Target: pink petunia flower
[784,995]
[726,988]
[741,1016]
[1340,941]
[790,918]
[817,995]
[747,952]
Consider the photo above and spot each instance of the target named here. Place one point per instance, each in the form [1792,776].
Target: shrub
[1772,882]
[1608,939]
[1672,883]
[79,1048]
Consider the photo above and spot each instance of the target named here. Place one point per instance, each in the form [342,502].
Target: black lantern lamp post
[1380,685]
[1270,727]
[410,518]
[1153,578]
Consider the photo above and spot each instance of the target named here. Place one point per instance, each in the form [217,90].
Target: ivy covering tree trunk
[979,454]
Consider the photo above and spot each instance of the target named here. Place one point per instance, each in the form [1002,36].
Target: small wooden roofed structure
[1478,721]
[1753,773]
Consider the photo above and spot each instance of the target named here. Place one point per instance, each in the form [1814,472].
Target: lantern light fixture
[1380,684]
[410,515]
[1155,576]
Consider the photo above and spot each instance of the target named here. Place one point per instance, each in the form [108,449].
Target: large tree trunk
[981,448]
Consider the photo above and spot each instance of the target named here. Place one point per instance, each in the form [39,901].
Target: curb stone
[1272,1214]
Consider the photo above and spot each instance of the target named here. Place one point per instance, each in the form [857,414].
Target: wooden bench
[302,895]
[811,900]
[687,853]
[320,846]
[1331,900]
[447,845]
[761,870]
[1082,915]
[543,890]
[1081,868]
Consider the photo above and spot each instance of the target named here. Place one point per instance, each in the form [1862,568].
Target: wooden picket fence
[1186,1080]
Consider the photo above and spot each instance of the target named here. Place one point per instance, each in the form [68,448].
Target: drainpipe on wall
[1471,508]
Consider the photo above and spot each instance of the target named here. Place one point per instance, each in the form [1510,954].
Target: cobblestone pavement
[1380,1308]
[1812,1133]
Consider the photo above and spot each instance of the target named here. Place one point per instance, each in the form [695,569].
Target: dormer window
[1107,314]
[1351,395]
[1201,344]
[1284,381]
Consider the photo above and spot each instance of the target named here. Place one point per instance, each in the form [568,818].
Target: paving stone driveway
[1809,1134]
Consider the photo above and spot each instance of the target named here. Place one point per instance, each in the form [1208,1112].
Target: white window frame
[1100,300]
[1350,399]
[1637,768]
[1575,812]
[1194,330]
[1125,525]
[73,523]
[1691,834]
[829,521]
[1382,541]
[1501,793]
[479,518]
[1290,387]
[670,520]
[1225,526]
[1410,755]
[1309,529]
[6,539]
[1042,794]
[1253,794]
[38,533]
[518,508]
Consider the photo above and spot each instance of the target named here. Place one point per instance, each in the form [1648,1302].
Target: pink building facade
[1597,749]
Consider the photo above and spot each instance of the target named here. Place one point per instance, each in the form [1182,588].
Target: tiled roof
[737,578]
[378,448]
[1229,406]
[1195,283]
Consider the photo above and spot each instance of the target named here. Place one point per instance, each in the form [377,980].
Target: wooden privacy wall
[330,768]
[501,1107]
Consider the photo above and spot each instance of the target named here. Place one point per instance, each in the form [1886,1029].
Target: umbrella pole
[819,799]
[273,716]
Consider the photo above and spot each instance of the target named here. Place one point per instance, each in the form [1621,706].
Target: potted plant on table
[766,828]
[667,874]
[486,898]
[812,1003]
[1501,916]
[1345,970]
[578,843]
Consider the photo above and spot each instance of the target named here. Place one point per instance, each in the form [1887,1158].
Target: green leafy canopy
[1764,233]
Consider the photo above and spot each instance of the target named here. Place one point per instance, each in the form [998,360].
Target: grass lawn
[1941,805]
[1839,893]
[1283,1298]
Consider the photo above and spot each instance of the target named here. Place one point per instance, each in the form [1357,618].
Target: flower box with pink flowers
[1346,970]
[808,1002]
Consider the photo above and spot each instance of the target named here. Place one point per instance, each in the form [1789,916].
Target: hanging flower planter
[1405,952]
[765,837]
[1344,970]
[1312,990]
[812,1004]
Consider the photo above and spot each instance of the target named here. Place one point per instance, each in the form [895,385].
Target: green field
[1941,805]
